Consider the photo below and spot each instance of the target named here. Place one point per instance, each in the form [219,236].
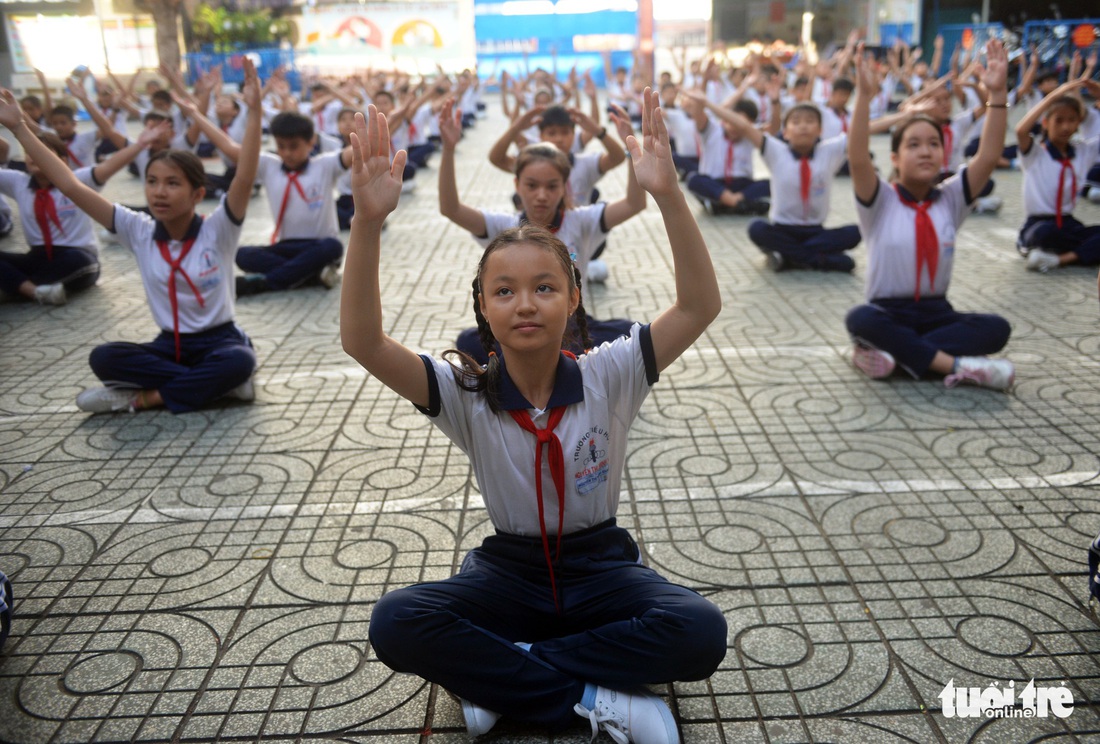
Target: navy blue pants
[212,363]
[217,185]
[74,267]
[345,210]
[1042,232]
[600,331]
[1093,176]
[290,263]
[419,154]
[685,163]
[913,331]
[621,625]
[806,245]
[1009,153]
[712,188]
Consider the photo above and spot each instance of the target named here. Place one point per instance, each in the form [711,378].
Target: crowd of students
[554,616]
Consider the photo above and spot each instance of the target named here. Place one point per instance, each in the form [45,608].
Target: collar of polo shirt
[568,387]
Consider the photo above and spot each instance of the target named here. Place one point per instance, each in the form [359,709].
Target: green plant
[226,28]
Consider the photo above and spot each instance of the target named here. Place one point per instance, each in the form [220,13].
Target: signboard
[33,40]
[371,33]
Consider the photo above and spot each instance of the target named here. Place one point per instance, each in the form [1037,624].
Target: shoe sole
[873,363]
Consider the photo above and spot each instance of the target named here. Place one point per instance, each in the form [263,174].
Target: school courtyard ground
[210,576]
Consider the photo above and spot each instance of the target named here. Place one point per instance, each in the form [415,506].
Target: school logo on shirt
[590,461]
[209,273]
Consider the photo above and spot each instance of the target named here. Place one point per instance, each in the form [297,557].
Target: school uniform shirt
[684,132]
[179,121]
[763,105]
[880,104]
[583,175]
[889,230]
[1043,171]
[235,131]
[329,143]
[833,122]
[208,264]
[581,229]
[1090,125]
[786,168]
[73,227]
[82,148]
[468,103]
[602,392]
[312,217]
[420,126]
[324,119]
[719,90]
[721,158]
[399,138]
[955,140]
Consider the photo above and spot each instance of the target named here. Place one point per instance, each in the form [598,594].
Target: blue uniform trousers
[1042,231]
[290,263]
[74,267]
[212,363]
[712,188]
[621,625]
[912,331]
[806,245]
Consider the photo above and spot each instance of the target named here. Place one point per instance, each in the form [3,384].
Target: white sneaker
[774,261]
[245,391]
[874,363]
[105,400]
[107,237]
[988,204]
[639,717]
[330,275]
[478,720]
[1039,260]
[1092,193]
[407,186]
[998,374]
[597,270]
[50,294]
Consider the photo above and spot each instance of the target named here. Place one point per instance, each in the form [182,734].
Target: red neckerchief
[73,157]
[291,180]
[928,242]
[1067,165]
[948,144]
[729,161]
[45,212]
[174,263]
[842,114]
[805,176]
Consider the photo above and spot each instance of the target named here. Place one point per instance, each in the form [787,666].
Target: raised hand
[584,121]
[652,156]
[252,92]
[76,89]
[186,106]
[450,124]
[375,181]
[11,115]
[151,134]
[623,125]
[995,77]
[865,76]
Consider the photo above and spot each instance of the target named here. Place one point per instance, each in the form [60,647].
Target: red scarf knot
[805,176]
[291,181]
[1067,165]
[174,263]
[927,240]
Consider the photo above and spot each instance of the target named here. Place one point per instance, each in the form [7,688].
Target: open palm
[375,182]
[652,154]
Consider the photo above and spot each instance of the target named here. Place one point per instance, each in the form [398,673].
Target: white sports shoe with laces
[105,400]
[998,374]
[639,717]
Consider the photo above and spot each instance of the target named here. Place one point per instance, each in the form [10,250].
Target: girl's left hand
[150,135]
[11,115]
[375,182]
[652,156]
[251,92]
[865,77]
[621,120]
[995,77]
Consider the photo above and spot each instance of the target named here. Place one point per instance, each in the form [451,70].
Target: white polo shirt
[1042,172]
[785,167]
[833,123]
[209,263]
[955,139]
[313,217]
[581,230]
[890,233]
[583,175]
[235,131]
[76,229]
[718,152]
[82,149]
[683,131]
[602,390]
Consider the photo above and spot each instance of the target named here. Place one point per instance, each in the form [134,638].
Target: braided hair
[472,376]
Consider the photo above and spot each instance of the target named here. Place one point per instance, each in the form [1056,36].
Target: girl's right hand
[865,77]
[375,182]
[450,124]
[652,154]
[11,115]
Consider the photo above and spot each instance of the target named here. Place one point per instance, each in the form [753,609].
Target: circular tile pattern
[100,673]
[774,646]
[996,636]
[733,539]
[85,489]
[179,562]
[704,465]
[1015,456]
[325,664]
[392,478]
[234,485]
[855,460]
[365,554]
[916,532]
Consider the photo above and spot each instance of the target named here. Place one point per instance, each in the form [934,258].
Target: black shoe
[837,262]
[774,261]
[251,284]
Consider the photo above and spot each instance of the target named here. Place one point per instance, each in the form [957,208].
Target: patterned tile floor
[210,576]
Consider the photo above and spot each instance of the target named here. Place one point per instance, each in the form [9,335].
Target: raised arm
[995,80]
[376,189]
[248,160]
[1032,117]
[498,153]
[618,212]
[112,165]
[213,132]
[47,99]
[698,300]
[613,154]
[862,169]
[56,171]
[105,126]
[743,125]
[450,130]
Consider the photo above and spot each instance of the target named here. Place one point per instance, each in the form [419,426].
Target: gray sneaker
[105,400]
[50,294]
[639,717]
[330,275]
